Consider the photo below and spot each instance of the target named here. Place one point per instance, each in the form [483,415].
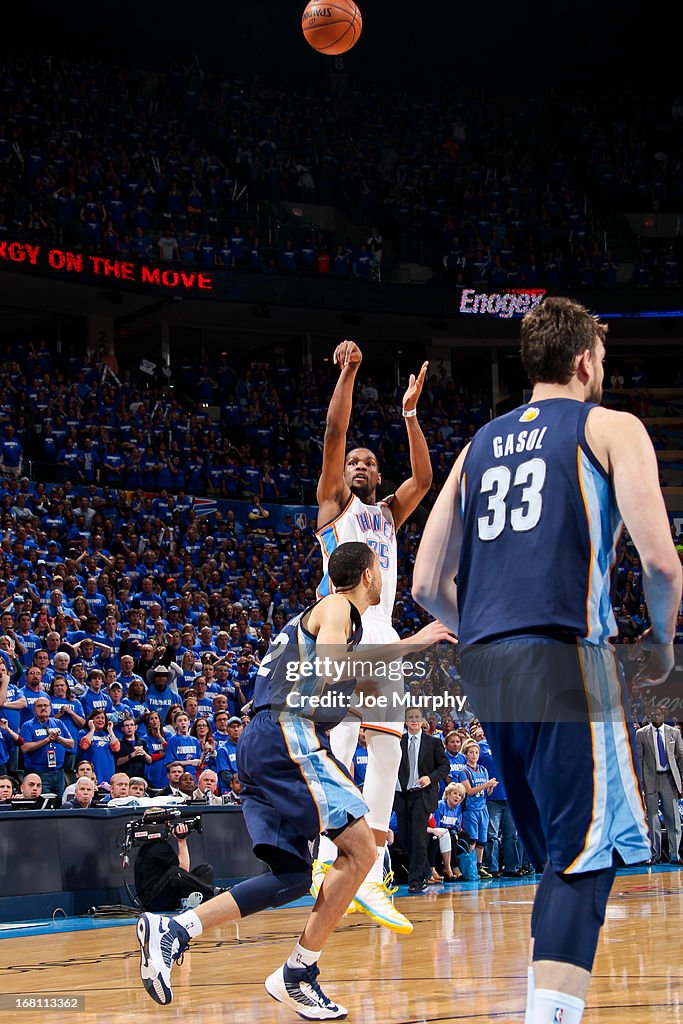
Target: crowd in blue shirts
[79,423]
[479,186]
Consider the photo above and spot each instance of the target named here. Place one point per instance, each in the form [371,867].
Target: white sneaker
[377,901]
[162,942]
[300,990]
[320,869]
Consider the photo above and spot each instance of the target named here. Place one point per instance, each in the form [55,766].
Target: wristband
[408,413]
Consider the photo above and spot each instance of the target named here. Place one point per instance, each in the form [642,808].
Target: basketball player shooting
[349,511]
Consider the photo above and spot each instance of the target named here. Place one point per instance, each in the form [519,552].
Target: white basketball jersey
[372,525]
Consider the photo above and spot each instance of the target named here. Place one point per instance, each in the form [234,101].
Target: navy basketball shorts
[556,717]
[293,788]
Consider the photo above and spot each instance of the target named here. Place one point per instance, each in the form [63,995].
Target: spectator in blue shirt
[98,744]
[160,697]
[67,709]
[95,698]
[28,640]
[96,602]
[183,747]
[205,644]
[12,703]
[360,760]
[226,758]
[243,678]
[11,453]
[44,741]
[502,832]
[31,691]
[218,717]
[92,653]
[8,741]
[155,772]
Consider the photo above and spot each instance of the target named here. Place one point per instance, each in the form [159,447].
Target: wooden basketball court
[465,961]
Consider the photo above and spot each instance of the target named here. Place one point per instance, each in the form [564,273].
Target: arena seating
[480,190]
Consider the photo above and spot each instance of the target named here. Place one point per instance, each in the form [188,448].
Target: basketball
[332,28]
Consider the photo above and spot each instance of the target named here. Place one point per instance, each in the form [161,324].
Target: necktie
[663,759]
[412,762]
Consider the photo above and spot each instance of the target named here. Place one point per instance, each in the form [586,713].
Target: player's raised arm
[411,492]
[438,556]
[621,443]
[333,492]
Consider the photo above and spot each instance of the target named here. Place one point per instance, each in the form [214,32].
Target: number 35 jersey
[372,525]
[540,528]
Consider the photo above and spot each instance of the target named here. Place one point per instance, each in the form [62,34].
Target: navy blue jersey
[540,528]
[286,679]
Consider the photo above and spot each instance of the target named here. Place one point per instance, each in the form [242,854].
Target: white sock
[530,989]
[301,957]
[376,872]
[191,923]
[327,851]
[556,1008]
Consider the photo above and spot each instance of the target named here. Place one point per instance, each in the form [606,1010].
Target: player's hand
[414,389]
[347,354]
[656,661]
[432,633]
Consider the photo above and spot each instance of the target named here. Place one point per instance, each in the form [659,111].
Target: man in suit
[174,770]
[423,766]
[660,752]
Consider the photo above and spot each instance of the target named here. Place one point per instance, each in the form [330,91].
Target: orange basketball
[331,27]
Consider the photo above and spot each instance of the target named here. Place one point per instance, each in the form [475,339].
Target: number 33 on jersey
[521,475]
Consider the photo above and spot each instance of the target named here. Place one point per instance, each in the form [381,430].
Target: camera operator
[163,877]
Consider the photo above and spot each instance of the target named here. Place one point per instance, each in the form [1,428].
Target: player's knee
[384,752]
[294,886]
[291,876]
[570,913]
